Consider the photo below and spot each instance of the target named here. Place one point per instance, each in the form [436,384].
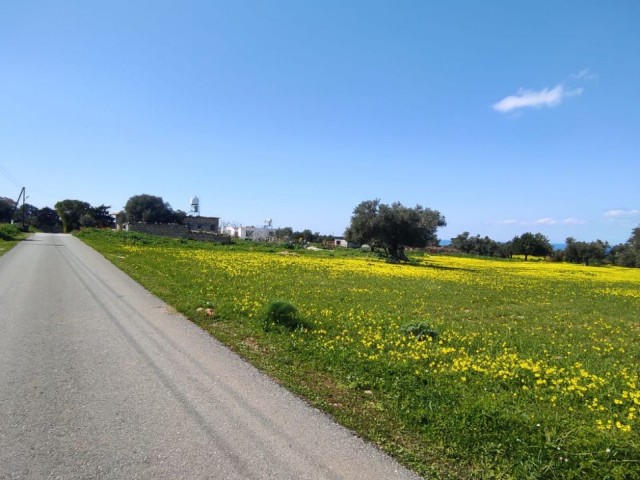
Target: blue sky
[505,116]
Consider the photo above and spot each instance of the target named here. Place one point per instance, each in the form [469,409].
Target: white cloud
[585,74]
[545,221]
[542,221]
[529,98]
[621,213]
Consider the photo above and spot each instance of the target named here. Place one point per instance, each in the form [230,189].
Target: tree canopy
[26,214]
[585,252]
[628,254]
[76,213]
[393,227]
[70,213]
[479,246]
[48,220]
[151,209]
[284,233]
[101,216]
[531,244]
[7,207]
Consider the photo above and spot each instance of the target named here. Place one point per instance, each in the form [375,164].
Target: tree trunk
[397,253]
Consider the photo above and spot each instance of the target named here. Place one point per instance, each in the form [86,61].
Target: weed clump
[8,231]
[282,314]
[421,331]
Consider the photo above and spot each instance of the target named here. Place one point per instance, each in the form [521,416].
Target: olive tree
[393,227]
[531,244]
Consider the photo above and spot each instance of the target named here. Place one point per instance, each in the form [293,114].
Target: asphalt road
[100,379]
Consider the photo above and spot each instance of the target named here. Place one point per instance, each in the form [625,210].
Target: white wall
[251,233]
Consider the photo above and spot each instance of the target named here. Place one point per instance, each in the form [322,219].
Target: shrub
[420,331]
[8,231]
[282,314]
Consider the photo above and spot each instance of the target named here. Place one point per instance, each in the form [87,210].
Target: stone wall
[176,231]
[162,229]
[210,237]
[205,224]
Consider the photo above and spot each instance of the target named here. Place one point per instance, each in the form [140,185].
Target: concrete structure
[203,224]
[119,218]
[195,206]
[258,234]
[342,242]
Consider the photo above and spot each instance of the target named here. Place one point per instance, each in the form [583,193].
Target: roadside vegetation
[10,235]
[459,367]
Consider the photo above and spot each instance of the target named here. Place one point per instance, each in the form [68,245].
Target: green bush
[282,314]
[8,231]
[420,330]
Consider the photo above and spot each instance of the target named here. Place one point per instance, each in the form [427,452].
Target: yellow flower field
[532,370]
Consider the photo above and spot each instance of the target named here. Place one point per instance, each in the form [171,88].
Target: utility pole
[23,196]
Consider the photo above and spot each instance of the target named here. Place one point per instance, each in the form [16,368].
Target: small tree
[628,254]
[101,216]
[634,239]
[26,214]
[462,242]
[75,214]
[284,233]
[48,220]
[531,244]
[393,227]
[306,235]
[624,256]
[70,213]
[585,252]
[476,245]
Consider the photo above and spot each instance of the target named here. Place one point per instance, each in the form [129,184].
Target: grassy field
[459,367]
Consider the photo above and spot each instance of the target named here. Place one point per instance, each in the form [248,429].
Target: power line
[10,177]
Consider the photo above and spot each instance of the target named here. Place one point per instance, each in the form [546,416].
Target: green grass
[459,367]
[10,235]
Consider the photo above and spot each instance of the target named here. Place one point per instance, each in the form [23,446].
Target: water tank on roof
[195,205]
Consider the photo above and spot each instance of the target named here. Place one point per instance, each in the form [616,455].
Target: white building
[342,242]
[258,234]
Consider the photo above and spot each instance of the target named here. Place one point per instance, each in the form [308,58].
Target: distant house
[342,242]
[120,219]
[229,231]
[258,234]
